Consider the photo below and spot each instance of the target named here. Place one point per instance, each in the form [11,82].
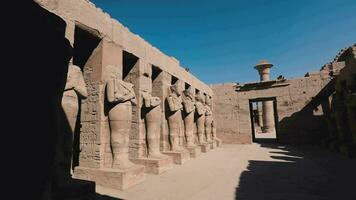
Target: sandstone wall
[297,121]
[115,39]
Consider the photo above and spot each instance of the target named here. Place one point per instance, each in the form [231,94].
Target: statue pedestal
[194,151]
[179,157]
[155,165]
[348,149]
[218,142]
[112,178]
[212,144]
[204,147]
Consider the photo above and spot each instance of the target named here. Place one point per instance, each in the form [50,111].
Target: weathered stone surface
[194,151]
[204,147]
[155,166]
[112,178]
[179,157]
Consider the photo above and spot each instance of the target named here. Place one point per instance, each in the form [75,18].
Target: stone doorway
[264,119]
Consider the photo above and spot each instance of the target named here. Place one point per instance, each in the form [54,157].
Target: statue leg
[70,108]
[174,129]
[120,125]
[153,123]
[188,125]
[208,132]
[201,129]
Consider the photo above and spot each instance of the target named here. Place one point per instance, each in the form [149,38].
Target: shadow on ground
[303,172]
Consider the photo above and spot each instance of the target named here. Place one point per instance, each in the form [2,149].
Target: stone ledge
[212,144]
[204,147]
[194,151]
[155,165]
[218,142]
[112,178]
[179,157]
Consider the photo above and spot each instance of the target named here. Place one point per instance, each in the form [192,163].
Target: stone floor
[249,172]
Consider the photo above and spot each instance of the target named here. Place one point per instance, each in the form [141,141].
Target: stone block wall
[115,39]
[299,119]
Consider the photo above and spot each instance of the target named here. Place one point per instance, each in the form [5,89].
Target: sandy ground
[249,172]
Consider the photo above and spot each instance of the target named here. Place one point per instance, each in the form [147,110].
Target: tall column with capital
[263,68]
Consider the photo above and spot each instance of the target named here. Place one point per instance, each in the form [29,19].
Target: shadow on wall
[309,124]
[295,174]
[39,55]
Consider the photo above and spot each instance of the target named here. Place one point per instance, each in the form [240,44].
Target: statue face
[174,89]
[189,94]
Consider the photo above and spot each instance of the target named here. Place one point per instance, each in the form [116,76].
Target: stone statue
[189,108]
[208,120]
[200,110]
[75,89]
[174,101]
[213,127]
[153,123]
[120,97]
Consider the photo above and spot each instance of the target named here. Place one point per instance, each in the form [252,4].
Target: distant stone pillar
[263,69]
[259,116]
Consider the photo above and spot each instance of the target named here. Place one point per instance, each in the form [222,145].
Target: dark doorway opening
[129,61]
[85,41]
[155,72]
[264,119]
[174,80]
[186,86]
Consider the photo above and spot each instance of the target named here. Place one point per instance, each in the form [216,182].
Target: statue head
[189,93]
[199,97]
[112,72]
[208,100]
[175,89]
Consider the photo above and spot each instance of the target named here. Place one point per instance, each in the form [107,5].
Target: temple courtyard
[252,171]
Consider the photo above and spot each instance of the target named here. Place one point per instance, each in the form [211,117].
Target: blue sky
[221,40]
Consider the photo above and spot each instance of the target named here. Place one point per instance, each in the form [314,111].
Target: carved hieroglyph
[75,90]
[208,120]
[189,108]
[174,101]
[120,97]
[153,122]
[200,110]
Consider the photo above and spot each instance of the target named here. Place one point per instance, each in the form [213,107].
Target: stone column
[259,115]
[263,68]
[149,129]
[105,127]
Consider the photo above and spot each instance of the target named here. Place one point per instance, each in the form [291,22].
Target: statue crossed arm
[174,103]
[119,91]
[75,81]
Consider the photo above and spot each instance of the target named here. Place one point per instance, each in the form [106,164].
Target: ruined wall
[115,40]
[295,123]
